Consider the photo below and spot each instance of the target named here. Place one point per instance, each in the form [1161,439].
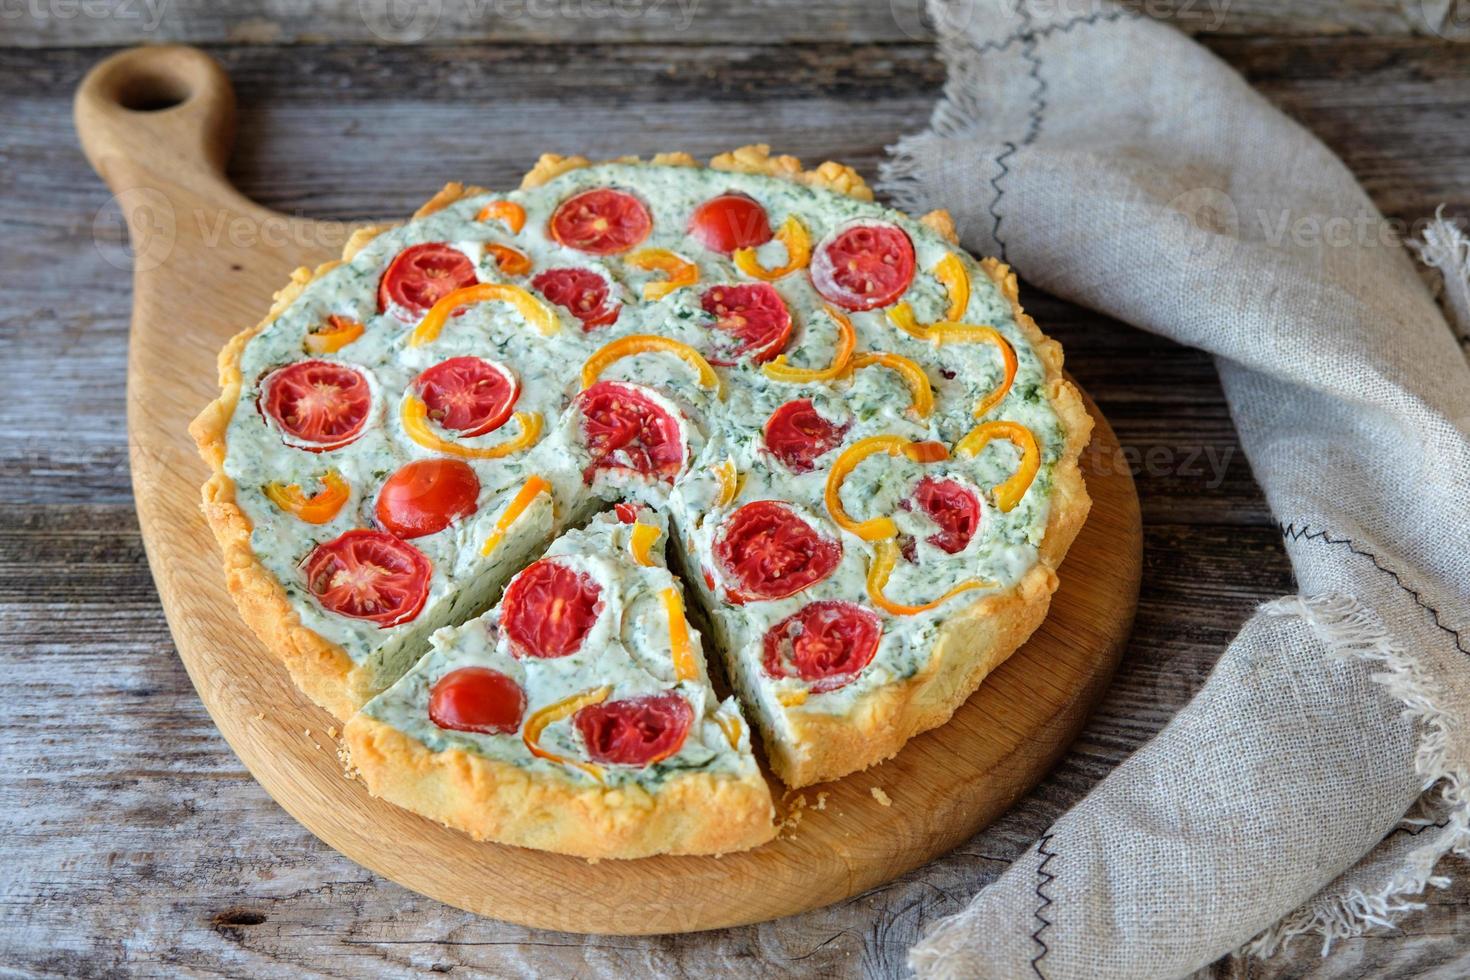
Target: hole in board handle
[152,93]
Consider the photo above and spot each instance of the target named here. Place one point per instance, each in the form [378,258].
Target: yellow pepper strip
[415,416]
[876,528]
[319,508]
[552,713]
[642,343]
[338,333]
[729,482]
[950,271]
[679,272]
[949,333]
[679,646]
[779,370]
[885,556]
[509,212]
[901,315]
[792,698]
[535,312]
[793,235]
[1009,493]
[732,728]
[534,487]
[911,373]
[641,541]
[512,261]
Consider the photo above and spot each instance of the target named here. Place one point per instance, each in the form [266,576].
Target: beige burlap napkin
[1118,164]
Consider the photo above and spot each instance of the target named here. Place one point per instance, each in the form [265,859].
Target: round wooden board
[157,124]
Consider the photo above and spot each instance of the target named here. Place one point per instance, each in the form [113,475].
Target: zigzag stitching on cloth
[1044,878]
[1304,533]
[1047,30]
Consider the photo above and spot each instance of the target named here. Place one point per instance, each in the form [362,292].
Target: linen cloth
[1318,777]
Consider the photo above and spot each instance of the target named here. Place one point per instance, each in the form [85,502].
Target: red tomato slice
[636,731]
[549,609]
[769,552]
[422,275]
[317,405]
[627,430]
[426,496]
[730,221]
[468,395]
[797,435]
[754,317]
[862,267]
[602,221]
[826,644]
[581,292]
[627,513]
[369,575]
[954,507]
[477,699]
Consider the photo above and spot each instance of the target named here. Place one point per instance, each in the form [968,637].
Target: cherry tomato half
[864,266]
[730,221]
[627,513]
[798,435]
[826,644]
[477,699]
[636,731]
[769,552]
[468,395]
[422,275]
[954,507]
[317,405]
[582,292]
[369,575]
[549,608]
[627,430]
[754,319]
[601,221]
[426,496]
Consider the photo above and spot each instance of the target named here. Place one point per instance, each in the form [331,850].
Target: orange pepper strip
[641,541]
[511,261]
[876,528]
[679,271]
[945,333]
[779,370]
[642,343]
[950,271]
[552,713]
[793,235]
[1009,493]
[885,557]
[911,373]
[732,728]
[511,213]
[340,331]
[535,312]
[319,508]
[415,417]
[534,487]
[729,482]
[680,648]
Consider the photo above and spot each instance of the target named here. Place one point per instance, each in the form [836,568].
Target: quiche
[447,470]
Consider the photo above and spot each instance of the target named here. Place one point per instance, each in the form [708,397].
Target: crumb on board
[260,716]
[883,798]
[821,803]
[331,731]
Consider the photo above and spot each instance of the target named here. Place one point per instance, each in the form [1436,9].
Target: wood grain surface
[135,842]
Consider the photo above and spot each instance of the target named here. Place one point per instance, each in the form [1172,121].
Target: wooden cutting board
[157,124]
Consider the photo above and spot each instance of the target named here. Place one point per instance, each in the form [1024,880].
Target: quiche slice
[576,716]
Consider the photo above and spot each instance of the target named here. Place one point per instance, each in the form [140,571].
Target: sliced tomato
[754,319]
[768,551]
[798,435]
[627,430]
[582,292]
[863,266]
[549,608]
[477,699]
[627,513]
[601,221]
[826,644]
[468,395]
[422,275]
[369,575]
[635,731]
[954,507]
[426,496]
[730,221]
[317,405]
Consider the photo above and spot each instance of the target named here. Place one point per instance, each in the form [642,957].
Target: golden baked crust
[692,813]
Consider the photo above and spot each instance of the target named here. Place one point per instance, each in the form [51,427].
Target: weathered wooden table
[132,840]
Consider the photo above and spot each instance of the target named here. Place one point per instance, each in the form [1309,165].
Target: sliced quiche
[861,450]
